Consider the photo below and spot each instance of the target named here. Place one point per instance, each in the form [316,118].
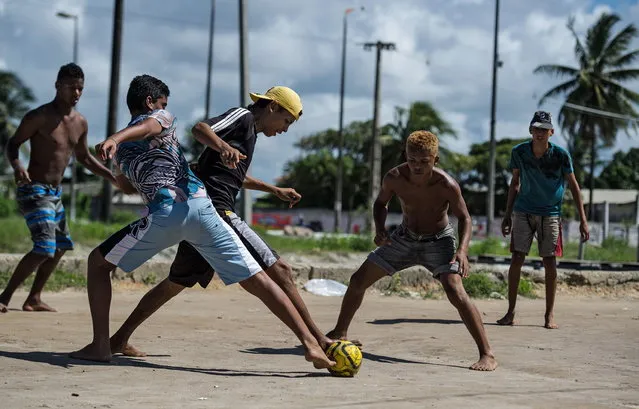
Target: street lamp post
[74,163]
[339,185]
[209,62]
[490,203]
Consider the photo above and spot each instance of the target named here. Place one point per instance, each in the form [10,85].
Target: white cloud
[300,46]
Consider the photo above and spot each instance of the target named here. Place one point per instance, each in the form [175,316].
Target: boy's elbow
[197,128]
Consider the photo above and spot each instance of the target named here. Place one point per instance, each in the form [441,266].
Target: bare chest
[426,199]
[58,135]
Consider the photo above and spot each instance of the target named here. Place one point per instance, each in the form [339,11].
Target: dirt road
[223,349]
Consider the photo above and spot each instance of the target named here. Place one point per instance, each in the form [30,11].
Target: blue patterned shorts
[41,206]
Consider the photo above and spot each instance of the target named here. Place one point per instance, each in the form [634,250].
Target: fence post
[606,220]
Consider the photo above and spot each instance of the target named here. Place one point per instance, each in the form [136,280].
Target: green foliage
[123,218]
[92,233]
[15,97]
[59,280]
[395,287]
[488,246]
[526,288]
[8,207]
[361,243]
[352,243]
[480,285]
[314,174]
[604,66]
[191,148]
[622,172]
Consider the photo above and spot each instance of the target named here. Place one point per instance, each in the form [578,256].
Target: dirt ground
[223,349]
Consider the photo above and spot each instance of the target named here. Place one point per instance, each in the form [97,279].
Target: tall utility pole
[74,162]
[339,185]
[116,48]
[376,150]
[490,203]
[209,62]
[246,209]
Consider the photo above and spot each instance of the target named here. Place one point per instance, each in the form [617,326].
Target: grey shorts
[433,251]
[547,229]
[190,268]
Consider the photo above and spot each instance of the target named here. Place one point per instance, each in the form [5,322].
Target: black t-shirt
[237,128]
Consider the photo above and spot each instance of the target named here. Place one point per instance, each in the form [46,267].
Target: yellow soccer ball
[348,357]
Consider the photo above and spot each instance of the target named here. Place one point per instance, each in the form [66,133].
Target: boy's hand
[506,225]
[381,238]
[231,156]
[583,229]
[464,265]
[288,194]
[21,176]
[105,150]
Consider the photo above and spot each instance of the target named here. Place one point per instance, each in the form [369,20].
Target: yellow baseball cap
[285,97]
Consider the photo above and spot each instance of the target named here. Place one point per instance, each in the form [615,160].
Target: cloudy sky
[444,54]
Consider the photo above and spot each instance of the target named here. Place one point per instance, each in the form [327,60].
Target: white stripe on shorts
[126,244]
[252,265]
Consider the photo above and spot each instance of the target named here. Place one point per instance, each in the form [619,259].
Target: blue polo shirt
[542,179]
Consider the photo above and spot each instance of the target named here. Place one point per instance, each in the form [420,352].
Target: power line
[599,112]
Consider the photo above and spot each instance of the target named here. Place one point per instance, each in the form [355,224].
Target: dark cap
[542,119]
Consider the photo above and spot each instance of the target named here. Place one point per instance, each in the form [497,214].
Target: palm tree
[597,82]
[420,115]
[15,97]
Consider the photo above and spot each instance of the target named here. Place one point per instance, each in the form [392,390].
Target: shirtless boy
[55,131]
[425,238]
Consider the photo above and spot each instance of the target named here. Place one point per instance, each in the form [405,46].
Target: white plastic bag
[322,286]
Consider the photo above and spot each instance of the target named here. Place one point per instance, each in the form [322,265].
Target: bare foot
[334,335]
[325,342]
[37,306]
[3,308]
[318,357]
[126,349]
[508,319]
[550,322]
[485,363]
[92,352]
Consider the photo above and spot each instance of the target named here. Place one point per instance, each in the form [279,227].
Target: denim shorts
[407,249]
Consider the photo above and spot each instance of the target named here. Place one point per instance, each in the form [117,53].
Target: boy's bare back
[53,137]
[424,206]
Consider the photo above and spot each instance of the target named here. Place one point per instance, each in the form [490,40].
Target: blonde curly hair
[423,141]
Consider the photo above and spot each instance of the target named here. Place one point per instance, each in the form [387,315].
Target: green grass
[361,243]
[15,237]
[58,281]
[610,250]
[480,285]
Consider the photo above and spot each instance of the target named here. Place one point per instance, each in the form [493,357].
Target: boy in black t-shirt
[230,141]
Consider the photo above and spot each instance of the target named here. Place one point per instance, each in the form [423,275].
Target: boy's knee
[357,282]
[97,261]
[455,291]
[282,273]
[255,283]
[40,257]
[518,258]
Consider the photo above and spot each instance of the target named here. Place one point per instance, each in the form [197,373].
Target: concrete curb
[414,277]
